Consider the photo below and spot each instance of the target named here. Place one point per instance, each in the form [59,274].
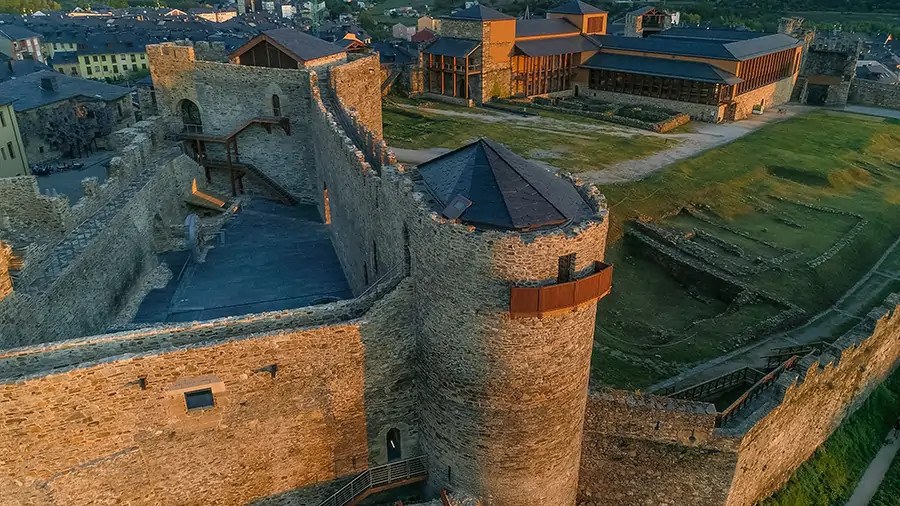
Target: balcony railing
[547,300]
[449,67]
[379,478]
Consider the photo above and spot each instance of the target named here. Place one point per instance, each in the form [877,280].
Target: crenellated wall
[648,450]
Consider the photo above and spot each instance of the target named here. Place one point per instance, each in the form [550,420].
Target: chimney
[49,83]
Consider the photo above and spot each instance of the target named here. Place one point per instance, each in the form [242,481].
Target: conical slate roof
[575,7]
[480,12]
[487,184]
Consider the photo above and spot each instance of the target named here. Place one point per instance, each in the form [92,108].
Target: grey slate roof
[28,94]
[556,45]
[304,46]
[575,7]
[20,68]
[718,49]
[13,32]
[661,67]
[480,12]
[506,190]
[549,26]
[449,46]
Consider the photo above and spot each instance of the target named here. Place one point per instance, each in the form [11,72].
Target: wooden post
[454,76]
[467,78]
[442,74]
[230,168]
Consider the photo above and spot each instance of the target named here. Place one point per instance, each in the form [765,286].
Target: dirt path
[705,136]
[853,305]
[874,475]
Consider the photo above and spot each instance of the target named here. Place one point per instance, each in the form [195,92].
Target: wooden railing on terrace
[705,390]
[547,300]
[755,391]
[378,479]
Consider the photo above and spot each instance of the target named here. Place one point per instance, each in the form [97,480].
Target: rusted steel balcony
[547,300]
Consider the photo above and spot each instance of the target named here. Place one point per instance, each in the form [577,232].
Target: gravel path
[874,475]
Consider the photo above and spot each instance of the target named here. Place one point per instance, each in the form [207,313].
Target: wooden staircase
[244,168]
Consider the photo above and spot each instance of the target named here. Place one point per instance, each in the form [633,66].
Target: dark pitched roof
[505,190]
[29,94]
[303,46]
[423,35]
[549,26]
[718,49]
[20,68]
[556,45]
[64,58]
[449,46]
[479,12]
[575,7]
[725,35]
[662,67]
[13,32]
[642,10]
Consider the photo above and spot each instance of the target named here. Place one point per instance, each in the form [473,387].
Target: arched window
[190,116]
[393,445]
[276,105]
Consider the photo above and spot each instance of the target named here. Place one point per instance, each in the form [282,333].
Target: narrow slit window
[566,268]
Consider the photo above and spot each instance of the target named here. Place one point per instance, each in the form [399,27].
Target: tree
[27,6]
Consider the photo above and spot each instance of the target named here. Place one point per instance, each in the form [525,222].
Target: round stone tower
[507,273]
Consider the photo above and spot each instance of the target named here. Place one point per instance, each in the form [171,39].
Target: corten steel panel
[587,288]
[555,297]
[523,300]
[605,274]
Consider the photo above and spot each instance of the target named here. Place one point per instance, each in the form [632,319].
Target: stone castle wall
[103,437]
[810,411]
[96,284]
[178,75]
[648,450]
[870,93]
[353,83]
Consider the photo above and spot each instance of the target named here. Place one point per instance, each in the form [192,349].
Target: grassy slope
[584,151]
[830,475]
[888,493]
[820,159]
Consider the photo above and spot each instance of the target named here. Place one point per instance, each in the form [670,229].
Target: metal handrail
[378,476]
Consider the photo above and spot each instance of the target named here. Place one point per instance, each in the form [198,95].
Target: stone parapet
[872,94]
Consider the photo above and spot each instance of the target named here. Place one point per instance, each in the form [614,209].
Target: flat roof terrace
[273,257]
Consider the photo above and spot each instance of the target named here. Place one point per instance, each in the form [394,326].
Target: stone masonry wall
[870,93]
[496,69]
[810,411]
[770,95]
[5,280]
[285,158]
[355,88]
[96,284]
[337,390]
[647,450]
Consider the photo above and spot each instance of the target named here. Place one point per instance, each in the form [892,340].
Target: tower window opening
[199,399]
[276,105]
[566,268]
[393,445]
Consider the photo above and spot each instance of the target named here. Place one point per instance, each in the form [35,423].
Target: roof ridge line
[547,199]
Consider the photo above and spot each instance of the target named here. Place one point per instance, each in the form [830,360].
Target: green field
[564,145]
[652,327]
[830,475]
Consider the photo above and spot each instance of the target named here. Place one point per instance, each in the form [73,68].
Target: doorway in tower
[392,440]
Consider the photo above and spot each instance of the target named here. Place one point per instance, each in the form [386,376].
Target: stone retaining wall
[872,94]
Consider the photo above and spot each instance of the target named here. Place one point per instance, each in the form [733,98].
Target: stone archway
[190,116]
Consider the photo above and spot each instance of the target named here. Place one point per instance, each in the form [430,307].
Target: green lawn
[889,491]
[575,150]
[830,475]
[840,161]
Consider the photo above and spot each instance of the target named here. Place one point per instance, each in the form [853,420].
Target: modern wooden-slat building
[713,75]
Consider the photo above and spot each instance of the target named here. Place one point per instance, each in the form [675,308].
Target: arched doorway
[393,445]
[190,116]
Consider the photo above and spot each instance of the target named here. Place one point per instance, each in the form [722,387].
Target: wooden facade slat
[530,302]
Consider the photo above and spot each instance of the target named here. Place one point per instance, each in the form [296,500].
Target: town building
[13,161]
[713,75]
[61,115]
[21,43]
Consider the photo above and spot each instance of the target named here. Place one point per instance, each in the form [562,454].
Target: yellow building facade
[12,150]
